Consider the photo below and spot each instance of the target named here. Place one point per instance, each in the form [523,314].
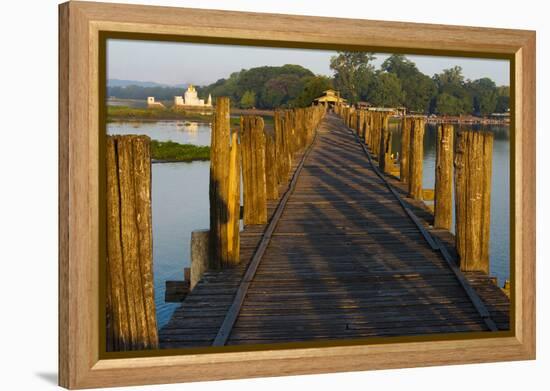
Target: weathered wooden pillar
[473,168]
[368,132]
[405,146]
[376,135]
[131,314]
[234,202]
[416,154]
[200,250]
[384,160]
[443,205]
[271,183]
[281,155]
[223,171]
[361,126]
[254,177]
[290,122]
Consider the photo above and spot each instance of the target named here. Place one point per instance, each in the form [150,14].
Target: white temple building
[152,104]
[191,98]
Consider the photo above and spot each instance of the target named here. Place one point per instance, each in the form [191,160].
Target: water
[180,199]
[499,246]
[180,205]
[183,132]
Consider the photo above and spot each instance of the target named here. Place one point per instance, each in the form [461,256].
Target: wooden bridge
[345,254]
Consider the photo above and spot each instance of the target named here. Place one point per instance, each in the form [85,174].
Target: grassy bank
[174,152]
[125,113]
[118,113]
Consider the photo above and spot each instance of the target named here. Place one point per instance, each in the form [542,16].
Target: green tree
[279,90]
[385,90]
[313,88]
[352,74]
[272,85]
[418,89]
[484,95]
[449,105]
[453,97]
[248,100]
[503,99]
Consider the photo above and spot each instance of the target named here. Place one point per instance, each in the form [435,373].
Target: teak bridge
[338,242]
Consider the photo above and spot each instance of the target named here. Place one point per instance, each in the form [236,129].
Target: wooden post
[234,202]
[254,177]
[289,135]
[271,183]
[405,146]
[443,205]
[131,313]
[362,124]
[219,171]
[473,165]
[416,154]
[199,255]
[384,160]
[377,134]
[367,133]
[281,155]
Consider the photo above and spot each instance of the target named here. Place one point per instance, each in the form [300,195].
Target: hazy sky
[181,63]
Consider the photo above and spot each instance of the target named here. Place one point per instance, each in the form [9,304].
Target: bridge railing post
[271,183]
[406,124]
[384,159]
[473,166]
[253,168]
[131,315]
[281,156]
[416,153]
[234,202]
[443,198]
[224,189]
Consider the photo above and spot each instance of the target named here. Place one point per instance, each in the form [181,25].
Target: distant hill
[126,83]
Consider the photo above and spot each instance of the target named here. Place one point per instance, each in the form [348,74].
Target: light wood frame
[80,365]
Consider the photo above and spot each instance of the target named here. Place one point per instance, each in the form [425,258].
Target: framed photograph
[247,195]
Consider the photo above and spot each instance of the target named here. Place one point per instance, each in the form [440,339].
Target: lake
[180,199]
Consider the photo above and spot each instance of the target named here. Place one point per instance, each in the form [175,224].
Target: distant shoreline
[134,114]
[465,120]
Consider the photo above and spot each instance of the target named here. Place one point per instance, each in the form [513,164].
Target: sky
[200,64]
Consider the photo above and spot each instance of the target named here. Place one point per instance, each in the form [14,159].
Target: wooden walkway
[345,260]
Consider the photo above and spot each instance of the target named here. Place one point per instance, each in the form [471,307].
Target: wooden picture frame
[82,23]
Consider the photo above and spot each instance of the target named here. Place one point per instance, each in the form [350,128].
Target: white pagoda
[190,98]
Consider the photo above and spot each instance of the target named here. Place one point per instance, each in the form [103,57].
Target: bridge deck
[344,261]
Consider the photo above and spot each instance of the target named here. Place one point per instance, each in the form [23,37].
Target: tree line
[398,82]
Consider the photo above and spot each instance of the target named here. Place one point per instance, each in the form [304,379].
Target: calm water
[500,191]
[183,132]
[180,199]
[180,205]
